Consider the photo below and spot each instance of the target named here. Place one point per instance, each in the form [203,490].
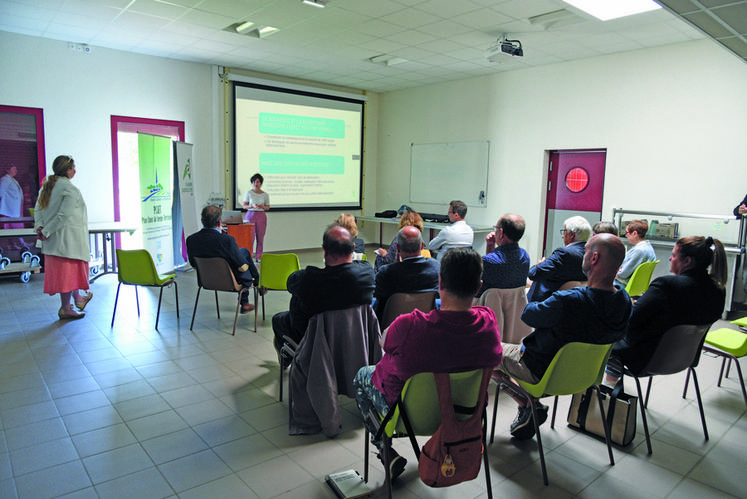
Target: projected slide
[307,147]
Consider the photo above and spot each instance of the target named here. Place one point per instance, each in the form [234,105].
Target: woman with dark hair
[257,202]
[61,223]
[384,256]
[691,295]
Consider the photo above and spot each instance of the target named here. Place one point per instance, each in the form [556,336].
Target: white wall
[79,93]
[673,120]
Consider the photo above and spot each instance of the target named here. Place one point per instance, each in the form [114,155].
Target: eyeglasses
[563,232]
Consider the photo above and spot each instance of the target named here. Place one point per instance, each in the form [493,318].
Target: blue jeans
[371,402]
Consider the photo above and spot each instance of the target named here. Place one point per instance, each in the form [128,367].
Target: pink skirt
[62,275]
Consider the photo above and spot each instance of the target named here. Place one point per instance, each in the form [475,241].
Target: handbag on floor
[619,407]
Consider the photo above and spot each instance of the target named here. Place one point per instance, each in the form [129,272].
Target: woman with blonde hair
[384,256]
[348,221]
[61,223]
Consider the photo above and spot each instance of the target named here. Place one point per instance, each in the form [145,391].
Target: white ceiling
[441,39]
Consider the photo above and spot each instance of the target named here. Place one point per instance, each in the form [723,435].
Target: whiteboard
[440,173]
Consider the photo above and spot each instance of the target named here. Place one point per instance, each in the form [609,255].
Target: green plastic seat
[731,344]
[274,271]
[641,278]
[576,367]
[417,413]
[136,268]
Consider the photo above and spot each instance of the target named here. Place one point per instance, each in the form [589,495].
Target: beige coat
[64,222]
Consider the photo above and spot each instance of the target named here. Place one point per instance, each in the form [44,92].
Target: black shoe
[523,427]
[396,465]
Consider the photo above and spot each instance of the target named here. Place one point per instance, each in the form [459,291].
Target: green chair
[417,413]
[575,368]
[136,268]
[641,278]
[274,271]
[731,344]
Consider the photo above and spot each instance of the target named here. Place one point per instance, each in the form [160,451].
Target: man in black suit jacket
[341,283]
[412,273]
[564,264]
[210,242]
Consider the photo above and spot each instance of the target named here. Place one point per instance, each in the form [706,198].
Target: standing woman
[61,222]
[257,202]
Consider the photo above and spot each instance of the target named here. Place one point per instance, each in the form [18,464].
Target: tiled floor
[92,411]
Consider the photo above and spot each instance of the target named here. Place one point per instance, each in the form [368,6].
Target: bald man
[597,313]
[342,283]
[410,273]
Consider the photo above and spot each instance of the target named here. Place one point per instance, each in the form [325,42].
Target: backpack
[453,454]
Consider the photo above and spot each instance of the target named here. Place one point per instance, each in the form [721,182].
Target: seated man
[456,235]
[564,264]
[641,252]
[413,273]
[210,242]
[505,265]
[342,283]
[691,295]
[458,337]
[597,313]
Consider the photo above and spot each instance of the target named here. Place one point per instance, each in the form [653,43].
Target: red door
[575,187]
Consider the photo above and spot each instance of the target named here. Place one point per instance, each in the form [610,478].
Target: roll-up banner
[184,190]
[154,157]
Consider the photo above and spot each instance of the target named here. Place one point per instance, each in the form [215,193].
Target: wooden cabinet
[243,234]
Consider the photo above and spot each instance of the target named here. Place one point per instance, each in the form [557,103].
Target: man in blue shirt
[597,313]
[565,262]
[505,265]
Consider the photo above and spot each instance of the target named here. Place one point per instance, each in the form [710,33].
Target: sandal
[82,303]
[69,313]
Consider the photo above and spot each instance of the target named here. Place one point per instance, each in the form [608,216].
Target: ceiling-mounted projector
[503,47]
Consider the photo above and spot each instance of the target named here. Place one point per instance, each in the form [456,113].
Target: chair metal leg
[236,317]
[687,382]
[191,324]
[648,390]
[256,294]
[607,430]
[486,460]
[643,414]
[280,380]
[721,373]
[741,378]
[263,306]
[554,410]
[495,410]
[728,368]
[387,476]
[137,300]
[176,295]
[158,312]
[116,299]
[533,405]
[365,456]
[700,402]
[217,307]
